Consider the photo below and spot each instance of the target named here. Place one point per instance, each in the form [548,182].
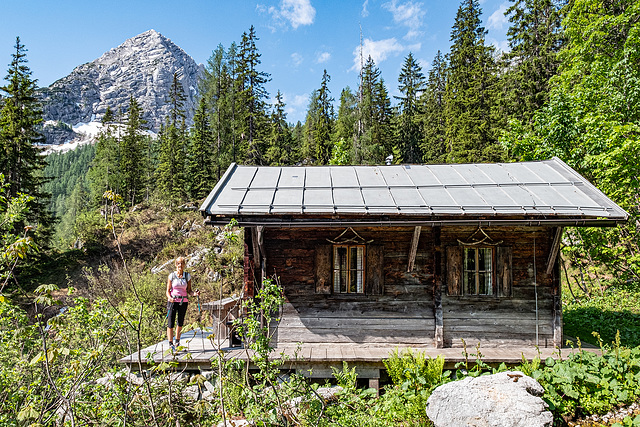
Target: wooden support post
[555,249]
[414,248]
[437,289]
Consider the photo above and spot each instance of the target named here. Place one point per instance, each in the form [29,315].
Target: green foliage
[470,99]
[628,421]
[20,159]
[591,121]
[616,311]
[411,86]
[586,383]
[414,377]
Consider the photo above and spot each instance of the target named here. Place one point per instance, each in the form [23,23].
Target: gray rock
[507,399]
[192,391]
[327,394]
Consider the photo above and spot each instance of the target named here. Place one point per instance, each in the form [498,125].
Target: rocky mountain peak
[142,67]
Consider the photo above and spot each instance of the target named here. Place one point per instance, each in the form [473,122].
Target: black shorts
[172,309]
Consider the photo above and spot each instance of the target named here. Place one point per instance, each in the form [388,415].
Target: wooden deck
[201,351]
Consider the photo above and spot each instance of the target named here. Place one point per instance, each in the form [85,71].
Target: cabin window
[477,274]
[348,269]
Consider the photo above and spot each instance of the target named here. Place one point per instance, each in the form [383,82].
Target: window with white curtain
[348,269]
[478,271]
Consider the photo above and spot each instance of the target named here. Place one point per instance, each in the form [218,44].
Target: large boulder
[507,399]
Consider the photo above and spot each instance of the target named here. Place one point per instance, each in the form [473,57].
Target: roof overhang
[528,193]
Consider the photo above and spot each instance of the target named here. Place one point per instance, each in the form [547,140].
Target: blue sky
[298,38]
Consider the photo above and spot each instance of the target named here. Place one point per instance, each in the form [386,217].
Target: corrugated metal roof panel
[546,189]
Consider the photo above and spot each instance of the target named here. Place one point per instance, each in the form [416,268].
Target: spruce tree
[344,132]
[535,39]
[324,122]
[375,127]
[252,98]
[20,159]
[133,155]
[200,159]
[104,173]
[281,150]
[411,87]
[434,128]
[171,177]
[470,101]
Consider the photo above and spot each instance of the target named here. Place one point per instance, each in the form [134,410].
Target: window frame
[335,288]
[477,272]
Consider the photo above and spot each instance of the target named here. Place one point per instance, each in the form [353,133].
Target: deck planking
[201,352]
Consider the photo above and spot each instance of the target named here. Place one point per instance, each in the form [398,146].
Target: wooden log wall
[414,307]
[497,321]
[401,313]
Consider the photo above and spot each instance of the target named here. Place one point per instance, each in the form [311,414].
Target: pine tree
[281,150]
[132,155]
[411,87]
[470,101]
[434,128]
[20,159]
[535,39]
[200,169]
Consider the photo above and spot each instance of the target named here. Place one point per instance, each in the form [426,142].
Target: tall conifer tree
[200,169]
[132,155]
[20,159]
[252,98]
[411,87]
[535,39]
[324,124]
[472,131]
[171,178]
[434,128]
[281,150]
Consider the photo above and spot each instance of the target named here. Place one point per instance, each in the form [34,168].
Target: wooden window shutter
[374,277]
[324,269]
[454,270]
[504,272]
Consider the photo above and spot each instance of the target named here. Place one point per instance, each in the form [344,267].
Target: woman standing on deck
[178,291]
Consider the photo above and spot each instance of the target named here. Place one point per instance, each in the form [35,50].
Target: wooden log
[555,248]
[414,248]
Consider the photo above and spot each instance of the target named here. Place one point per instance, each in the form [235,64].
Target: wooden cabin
[411,255]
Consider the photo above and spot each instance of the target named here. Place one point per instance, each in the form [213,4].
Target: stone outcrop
[506,399]
[142,67]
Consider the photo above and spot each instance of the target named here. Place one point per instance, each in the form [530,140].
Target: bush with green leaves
[587,383]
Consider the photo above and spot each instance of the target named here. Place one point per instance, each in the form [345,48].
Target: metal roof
[546,190]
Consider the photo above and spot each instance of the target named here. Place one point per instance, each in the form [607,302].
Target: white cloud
[498,20]
[323,57]
[365,11]
[296,12]
[297,59]
[378,50]
[409,14]
[500,45]
[296,106]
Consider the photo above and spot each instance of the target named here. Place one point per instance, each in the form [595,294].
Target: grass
[614,310]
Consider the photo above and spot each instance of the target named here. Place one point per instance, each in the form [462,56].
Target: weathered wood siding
[405,307]
[396,308]
[505,320]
